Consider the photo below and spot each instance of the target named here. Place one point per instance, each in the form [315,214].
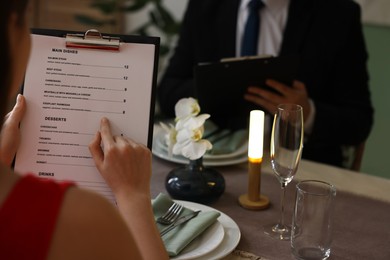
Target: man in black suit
[332,79]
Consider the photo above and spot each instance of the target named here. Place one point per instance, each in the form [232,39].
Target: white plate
[230,240]
[158,151]
[160,143]
[205,243]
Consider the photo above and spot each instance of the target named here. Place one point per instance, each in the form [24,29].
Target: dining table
[361,216]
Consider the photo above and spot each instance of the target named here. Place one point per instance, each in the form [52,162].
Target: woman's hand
[125,165]
[127,168]
[10,133]
[296,94]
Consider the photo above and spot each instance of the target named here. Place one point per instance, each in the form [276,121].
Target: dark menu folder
[220,86]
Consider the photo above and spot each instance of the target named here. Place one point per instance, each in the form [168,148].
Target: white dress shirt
[273,19]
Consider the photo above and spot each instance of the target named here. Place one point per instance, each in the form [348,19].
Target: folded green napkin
[224,141]
[178,238]
[228,142]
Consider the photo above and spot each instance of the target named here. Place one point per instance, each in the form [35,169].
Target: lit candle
[253,199]
[256,136]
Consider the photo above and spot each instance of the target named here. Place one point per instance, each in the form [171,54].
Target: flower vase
[194,182]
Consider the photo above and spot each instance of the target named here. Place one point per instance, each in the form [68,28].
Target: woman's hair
[9,7]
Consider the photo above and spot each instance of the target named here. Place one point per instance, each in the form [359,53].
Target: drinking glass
[311,233]
[286,150]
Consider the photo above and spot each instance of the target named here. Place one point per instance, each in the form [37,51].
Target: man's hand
[296,94]
[10,133]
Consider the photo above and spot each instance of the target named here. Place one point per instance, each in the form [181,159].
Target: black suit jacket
[327,36]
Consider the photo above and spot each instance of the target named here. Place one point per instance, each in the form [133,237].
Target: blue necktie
[251,31]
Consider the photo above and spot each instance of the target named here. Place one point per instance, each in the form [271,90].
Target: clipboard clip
[92,39]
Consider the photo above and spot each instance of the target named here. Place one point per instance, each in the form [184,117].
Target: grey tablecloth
[361,224]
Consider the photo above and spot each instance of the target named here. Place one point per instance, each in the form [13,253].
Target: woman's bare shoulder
[90,227]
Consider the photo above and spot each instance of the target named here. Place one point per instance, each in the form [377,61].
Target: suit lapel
[299,19]
[226,23]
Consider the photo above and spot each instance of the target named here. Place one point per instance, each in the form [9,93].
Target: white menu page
[68,91]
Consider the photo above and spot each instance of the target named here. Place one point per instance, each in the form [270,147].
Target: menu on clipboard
[72,81]
[220,86]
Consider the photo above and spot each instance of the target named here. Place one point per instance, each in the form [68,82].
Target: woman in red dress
[48,220]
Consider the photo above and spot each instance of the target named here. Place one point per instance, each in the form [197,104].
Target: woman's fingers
[10,134]
[102,138]
[96,150]
[105,132]
[14,117]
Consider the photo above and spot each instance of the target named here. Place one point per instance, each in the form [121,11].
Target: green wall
[376,160]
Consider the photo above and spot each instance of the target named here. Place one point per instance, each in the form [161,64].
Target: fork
[171,215]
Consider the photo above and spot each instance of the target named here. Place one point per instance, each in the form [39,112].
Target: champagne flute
[286,150]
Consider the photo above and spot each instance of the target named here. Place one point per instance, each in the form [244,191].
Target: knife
[179,221]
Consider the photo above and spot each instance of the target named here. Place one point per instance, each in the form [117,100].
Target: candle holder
[253,199]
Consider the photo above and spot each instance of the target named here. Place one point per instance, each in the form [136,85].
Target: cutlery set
[171,215]
[172,219]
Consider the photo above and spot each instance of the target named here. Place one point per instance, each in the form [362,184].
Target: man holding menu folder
[331,80]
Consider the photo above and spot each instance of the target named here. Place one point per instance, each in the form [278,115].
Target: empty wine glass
[286,150]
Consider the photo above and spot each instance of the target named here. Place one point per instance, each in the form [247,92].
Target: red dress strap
[28,218]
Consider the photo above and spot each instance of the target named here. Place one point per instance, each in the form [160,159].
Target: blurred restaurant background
[162,18]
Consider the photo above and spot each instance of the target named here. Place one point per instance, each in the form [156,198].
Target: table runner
[361,224]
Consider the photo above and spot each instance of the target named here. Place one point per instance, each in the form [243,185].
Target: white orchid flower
[189,142]
[186,134]
[192,122]
[192,150]
[170,136]
[185,138]
[186,107]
